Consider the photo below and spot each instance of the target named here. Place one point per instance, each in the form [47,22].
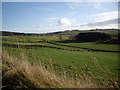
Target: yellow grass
[22,74]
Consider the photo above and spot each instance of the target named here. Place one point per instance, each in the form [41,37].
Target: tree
[92,36]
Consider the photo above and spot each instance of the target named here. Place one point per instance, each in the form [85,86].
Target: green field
[101,66]
[42,43]
[94,45]
[74,62]
[33,38]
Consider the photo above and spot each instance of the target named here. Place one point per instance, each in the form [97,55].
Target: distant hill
[66,32]
[7,33]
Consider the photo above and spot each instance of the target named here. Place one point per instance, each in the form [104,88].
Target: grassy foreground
[28,68]
[23,74]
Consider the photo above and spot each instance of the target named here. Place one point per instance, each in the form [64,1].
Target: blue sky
[44,17]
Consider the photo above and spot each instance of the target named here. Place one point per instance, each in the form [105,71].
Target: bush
[92,36]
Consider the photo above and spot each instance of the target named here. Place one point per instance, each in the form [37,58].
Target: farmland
[72,59]
[93,45]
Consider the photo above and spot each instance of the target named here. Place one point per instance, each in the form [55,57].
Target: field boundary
[89,49]
[44,46]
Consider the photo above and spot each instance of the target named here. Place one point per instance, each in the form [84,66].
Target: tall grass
[98,66]
[23,74]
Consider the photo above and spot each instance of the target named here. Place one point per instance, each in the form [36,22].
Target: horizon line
[57,31]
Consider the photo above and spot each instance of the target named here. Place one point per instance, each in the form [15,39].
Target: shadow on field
[113,42]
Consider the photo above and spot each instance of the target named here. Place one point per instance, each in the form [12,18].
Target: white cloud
[101,25]
[102,21]
[112,23]
[110,26]
[104,16]
[64,22]
[52,18]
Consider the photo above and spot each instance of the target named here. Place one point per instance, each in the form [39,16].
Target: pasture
[102,67]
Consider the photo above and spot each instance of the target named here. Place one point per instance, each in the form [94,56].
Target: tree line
[92,37]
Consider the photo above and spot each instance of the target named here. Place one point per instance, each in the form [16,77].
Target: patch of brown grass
[22,74]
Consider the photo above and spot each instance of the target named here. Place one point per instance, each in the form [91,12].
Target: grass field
[42,43]
[101,68]
[74,63]
[33,38]
[94,45]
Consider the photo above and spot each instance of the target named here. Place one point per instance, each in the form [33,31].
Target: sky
[45,17]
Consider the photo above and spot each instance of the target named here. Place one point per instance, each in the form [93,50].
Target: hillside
[66,32]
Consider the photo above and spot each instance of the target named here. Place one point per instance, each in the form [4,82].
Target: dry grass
[22,74]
